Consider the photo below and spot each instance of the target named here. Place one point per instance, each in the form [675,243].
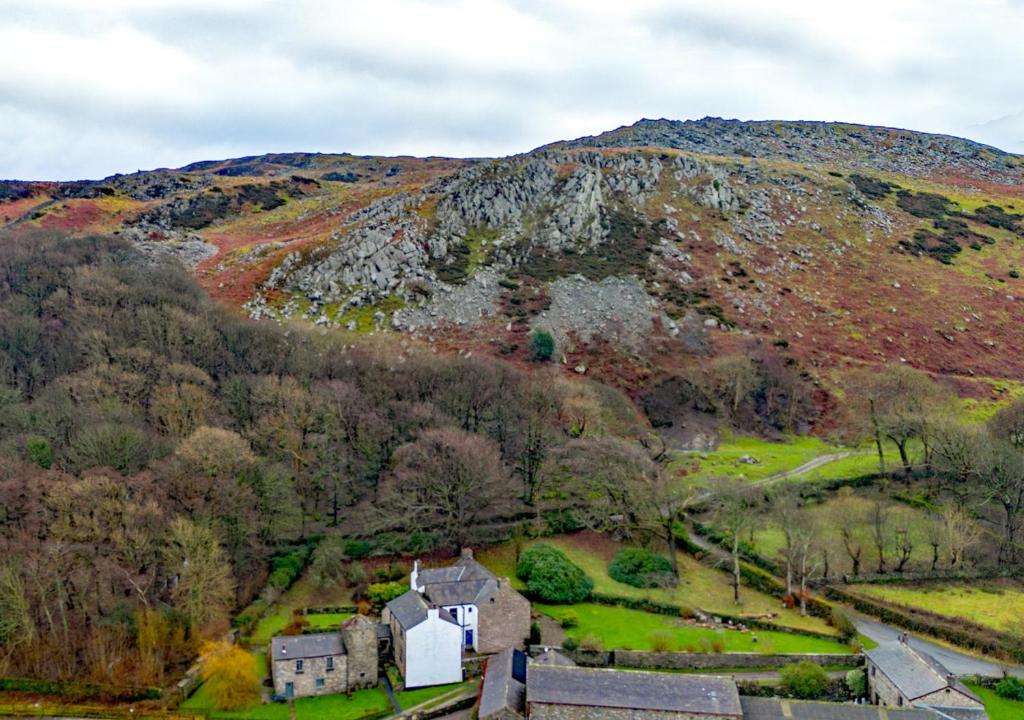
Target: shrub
[569,620]
[661,641]
[842,623]
[285,569]
[535,638]
[40,452]
[1011,688]
[591,643]
[354,574]
[804,680]
[552,577]
[383,593]
[542,345]
[570,644]
[357,549]
[641,568]
[857,682]
[231,674]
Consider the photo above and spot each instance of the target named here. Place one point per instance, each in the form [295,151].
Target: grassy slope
[998,708]
[621,628]
[999,605]
[702,587]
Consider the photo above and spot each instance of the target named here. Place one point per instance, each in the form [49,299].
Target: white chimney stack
[414,574]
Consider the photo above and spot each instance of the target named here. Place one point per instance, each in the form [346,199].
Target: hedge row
[78,690]
[959,632]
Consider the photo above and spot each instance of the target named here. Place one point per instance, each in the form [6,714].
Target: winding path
[808,466]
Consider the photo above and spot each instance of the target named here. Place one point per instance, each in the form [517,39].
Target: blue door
[289,690]
[469,638]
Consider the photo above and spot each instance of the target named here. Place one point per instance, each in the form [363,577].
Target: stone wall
[881,691]
[699,661]
[545,711]
[360,638]
[949,698]
[504,620]
[313,669]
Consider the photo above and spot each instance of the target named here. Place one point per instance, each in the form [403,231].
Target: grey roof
[957,713]
[915,674]
[293,647]
[756,708]
[410,609]
[666,692]
[467,582]
[501,691]
[553,657]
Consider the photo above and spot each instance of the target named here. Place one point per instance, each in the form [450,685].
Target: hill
[645,251]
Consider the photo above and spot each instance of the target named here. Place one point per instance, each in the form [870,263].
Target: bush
[40,452]
[843,624]
[542,345]
[382,593]
[535,638]
[570,644]
[804,680]
[552,577]
[357,549]
[661,641]
[1011,688]
[591,643]
[569,620]
[285,569]
[857,682]
[641,568]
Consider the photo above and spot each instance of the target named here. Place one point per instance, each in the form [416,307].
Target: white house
[427,641]
[490,613]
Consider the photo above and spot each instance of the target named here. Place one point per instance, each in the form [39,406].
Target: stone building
[557,692]
[900,676]
[491,614]
[426,641]
[325,663]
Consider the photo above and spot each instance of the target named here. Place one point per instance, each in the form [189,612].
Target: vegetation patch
[641,568]
[997,604]
[923,204]
[551,576]
[871,187]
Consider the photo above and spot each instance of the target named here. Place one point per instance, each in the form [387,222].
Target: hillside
[643,250]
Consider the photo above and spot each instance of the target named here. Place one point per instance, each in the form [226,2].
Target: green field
[699,587]
[998,708]
[771,457]
[995,604]
[622,628]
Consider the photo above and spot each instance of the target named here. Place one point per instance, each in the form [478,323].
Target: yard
[361,704]
[301,595]
[998,708]
[700,586]
[622,628]
[997,604]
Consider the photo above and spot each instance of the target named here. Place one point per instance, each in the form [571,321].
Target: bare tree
[735,509]
[960,531]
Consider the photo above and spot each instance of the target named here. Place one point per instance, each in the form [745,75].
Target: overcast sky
[92,88]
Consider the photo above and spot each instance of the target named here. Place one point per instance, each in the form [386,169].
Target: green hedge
[285,569]
[552,577]
[641,568]
[78,690]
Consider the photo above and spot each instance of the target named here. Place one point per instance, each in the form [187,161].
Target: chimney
[432,612]
[467,553]
[414,574]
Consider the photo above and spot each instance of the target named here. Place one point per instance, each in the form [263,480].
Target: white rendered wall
[466,616]
[433,653]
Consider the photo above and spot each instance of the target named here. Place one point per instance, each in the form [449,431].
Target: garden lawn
[327,621]
[411,698]
[699,587]
[622,628]
[998,708]
[302,594]
[997,604]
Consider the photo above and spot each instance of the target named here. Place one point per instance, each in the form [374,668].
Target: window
[298,666]
[320,682]
[330,664]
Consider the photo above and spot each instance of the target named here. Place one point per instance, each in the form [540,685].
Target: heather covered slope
[642,250]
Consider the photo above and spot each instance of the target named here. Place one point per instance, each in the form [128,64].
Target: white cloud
[88,89]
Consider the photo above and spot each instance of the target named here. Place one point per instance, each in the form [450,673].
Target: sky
[93,87]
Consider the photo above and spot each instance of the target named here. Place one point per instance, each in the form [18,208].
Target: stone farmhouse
[492,615]
[326,663]
[899,676]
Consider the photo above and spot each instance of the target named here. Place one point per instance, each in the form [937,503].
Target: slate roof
[292,647]
[755,708]
[665,692]
[467,582]
[553,657]
[915,674]
[501,691]
[958,713]
[410,609]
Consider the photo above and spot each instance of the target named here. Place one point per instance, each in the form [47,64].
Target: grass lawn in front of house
[327,621]
[997,604]
[699,586]
[619,628]
[998,708]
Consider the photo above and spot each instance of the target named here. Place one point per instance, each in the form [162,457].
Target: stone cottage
[900,676]
[325,663]
[491,614]
[426,641]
